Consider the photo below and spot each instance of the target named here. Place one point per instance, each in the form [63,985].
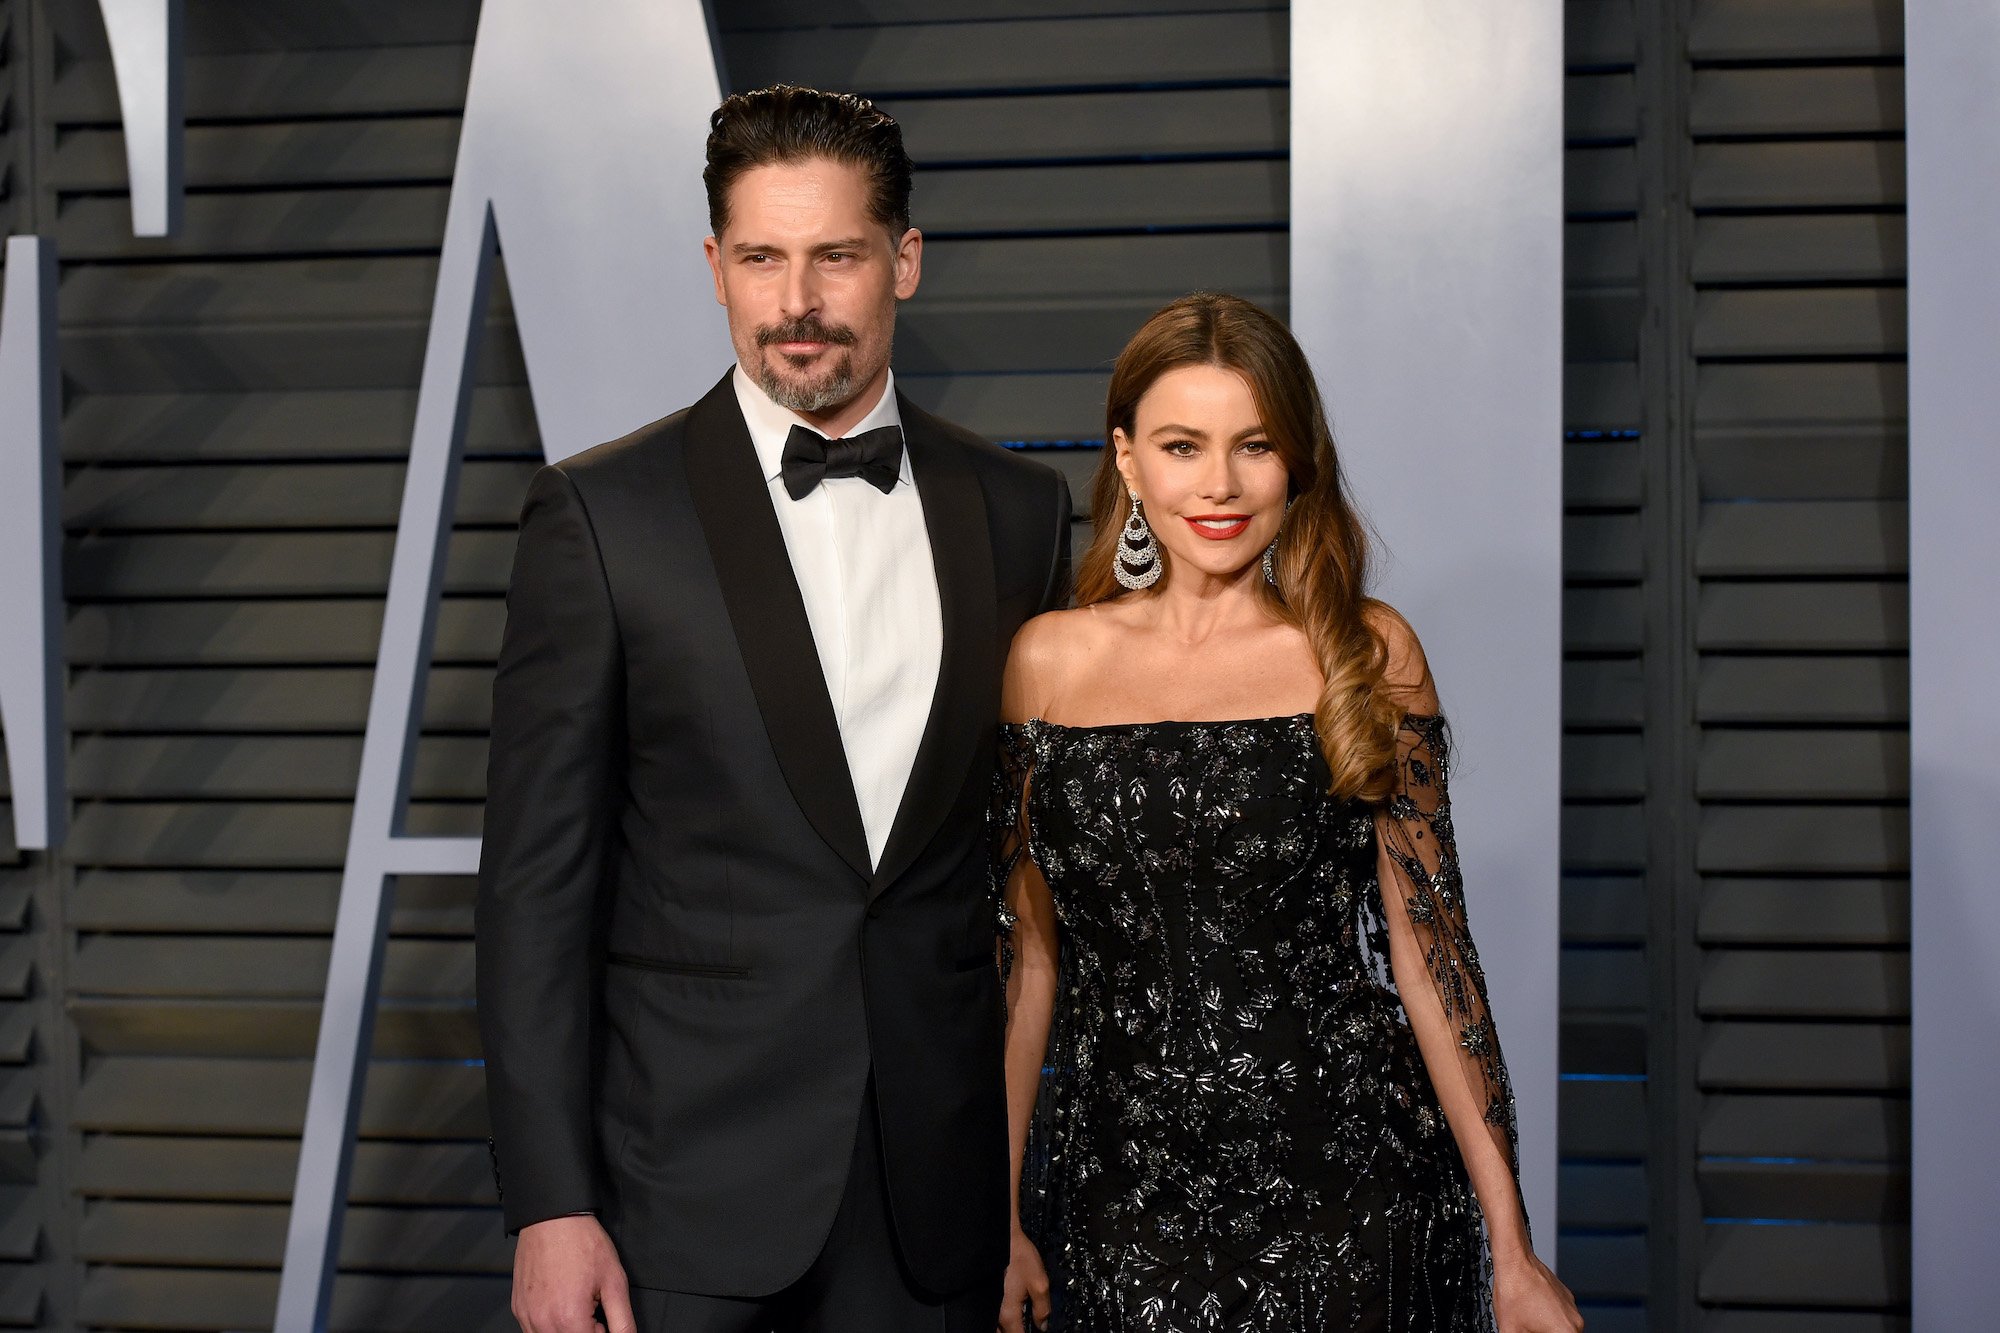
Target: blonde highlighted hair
[1322,558]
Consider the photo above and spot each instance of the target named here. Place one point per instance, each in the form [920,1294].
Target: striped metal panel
[1735,914]
[35,1063]
[1798,759]
[239,398]
[1603,1184]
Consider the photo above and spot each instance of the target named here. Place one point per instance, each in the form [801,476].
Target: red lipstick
[1212,526]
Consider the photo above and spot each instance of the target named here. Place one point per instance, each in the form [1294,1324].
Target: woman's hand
[1528,1298]
[1027,1284]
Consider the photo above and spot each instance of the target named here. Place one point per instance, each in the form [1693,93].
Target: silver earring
[1138,562]
[1271,551]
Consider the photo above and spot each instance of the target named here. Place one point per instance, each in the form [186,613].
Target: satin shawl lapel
[968,688]
[769,617]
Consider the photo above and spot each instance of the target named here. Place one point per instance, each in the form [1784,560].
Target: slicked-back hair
[786,124]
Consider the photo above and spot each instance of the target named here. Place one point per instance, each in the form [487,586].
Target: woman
[1274,1098]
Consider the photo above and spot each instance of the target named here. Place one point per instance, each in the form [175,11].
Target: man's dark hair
[787,124]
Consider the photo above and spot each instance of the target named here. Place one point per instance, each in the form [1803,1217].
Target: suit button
[874,911]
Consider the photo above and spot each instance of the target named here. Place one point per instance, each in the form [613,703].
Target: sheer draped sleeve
[1421,852]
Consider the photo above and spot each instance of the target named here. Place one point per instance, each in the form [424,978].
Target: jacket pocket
[717,970]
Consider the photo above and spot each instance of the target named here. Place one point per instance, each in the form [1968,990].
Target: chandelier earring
[1138,561]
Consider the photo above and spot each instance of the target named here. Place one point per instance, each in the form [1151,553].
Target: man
[736,982]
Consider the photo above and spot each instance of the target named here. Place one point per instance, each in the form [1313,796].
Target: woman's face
[1208,480]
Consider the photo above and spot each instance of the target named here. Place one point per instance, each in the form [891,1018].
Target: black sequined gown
[1236,1130]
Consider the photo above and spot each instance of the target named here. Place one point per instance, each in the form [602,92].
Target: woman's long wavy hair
[1322,559]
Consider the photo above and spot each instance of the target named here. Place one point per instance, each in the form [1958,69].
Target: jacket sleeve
[554,781]
[1055,596]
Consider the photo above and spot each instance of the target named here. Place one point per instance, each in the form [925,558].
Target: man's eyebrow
[824,247]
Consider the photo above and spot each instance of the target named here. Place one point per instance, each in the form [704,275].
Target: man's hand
[564,1269]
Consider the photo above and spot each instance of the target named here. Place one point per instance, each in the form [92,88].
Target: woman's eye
[1181,448]
[1256,446]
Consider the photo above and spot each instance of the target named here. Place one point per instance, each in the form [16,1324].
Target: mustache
[806,330]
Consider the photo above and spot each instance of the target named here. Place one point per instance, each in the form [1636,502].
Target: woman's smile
[1218,527]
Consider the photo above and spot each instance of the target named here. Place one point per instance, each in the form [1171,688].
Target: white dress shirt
[863,563]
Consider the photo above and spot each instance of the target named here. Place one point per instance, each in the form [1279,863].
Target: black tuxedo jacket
[687,968]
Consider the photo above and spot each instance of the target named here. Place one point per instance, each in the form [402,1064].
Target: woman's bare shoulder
[1052,636]
[1048,651]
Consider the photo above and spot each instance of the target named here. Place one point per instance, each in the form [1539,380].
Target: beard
[802,391]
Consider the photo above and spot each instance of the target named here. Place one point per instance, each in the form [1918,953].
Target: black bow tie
[876,456]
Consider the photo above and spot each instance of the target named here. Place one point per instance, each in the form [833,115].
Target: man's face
[811,282]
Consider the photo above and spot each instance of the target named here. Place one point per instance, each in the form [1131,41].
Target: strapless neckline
[1280,719]
[1162,723]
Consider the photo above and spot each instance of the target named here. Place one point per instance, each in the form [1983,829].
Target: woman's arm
[1443,991]
[1030,948]
[1484,1143]
[1031,998]
[1437,972]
